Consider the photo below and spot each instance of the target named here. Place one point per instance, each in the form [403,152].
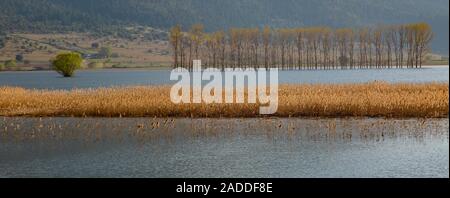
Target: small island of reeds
[374,99]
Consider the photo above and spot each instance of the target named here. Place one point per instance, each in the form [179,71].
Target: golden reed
[375,99]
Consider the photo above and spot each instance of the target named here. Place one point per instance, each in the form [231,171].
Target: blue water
[291,147]
[107,78]
[115,147]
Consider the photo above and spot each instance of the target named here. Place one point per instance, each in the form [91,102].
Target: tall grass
[376,99]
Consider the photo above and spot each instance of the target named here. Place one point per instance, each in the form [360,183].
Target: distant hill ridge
[107,15]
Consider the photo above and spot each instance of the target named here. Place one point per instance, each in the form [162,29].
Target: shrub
[118,65]
[67,63]
[10,64]
[95,45]
[19,57]
[95,65]
[115,55]
[2,66]
[105,52]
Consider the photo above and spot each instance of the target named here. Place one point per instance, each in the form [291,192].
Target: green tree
[105,52]
[95,45]
[67,63]
[19,57]
[10,64]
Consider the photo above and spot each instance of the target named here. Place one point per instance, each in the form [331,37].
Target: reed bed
[375,99]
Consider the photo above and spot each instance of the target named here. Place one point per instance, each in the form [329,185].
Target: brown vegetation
[375,99]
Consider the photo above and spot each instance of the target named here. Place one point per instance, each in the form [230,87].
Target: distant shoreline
[165,68]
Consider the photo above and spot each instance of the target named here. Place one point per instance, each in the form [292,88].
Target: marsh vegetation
[210,147]
[376,99]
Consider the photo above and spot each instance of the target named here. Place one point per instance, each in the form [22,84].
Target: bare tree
[175,37]
[267,34]
[304,48]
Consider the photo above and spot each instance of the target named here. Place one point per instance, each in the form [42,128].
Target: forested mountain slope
[108,15]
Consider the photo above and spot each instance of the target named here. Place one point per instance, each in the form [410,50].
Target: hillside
[107,16]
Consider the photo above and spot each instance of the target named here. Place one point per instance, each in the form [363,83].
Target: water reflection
[263,147]
[143,130]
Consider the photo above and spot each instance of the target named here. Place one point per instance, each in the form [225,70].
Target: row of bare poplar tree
[303,48]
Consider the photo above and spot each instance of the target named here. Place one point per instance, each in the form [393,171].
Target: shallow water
[260,147]
[107,78]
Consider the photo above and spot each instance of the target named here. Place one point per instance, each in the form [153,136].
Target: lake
[254,147]
[108,78]
[260,147]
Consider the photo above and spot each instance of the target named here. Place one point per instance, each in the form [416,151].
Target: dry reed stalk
[375,99]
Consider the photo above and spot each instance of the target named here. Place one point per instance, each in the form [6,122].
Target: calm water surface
[291,147]
[288,147]
[107,78]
